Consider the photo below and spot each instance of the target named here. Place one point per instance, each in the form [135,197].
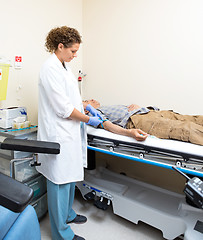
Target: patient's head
[93,103]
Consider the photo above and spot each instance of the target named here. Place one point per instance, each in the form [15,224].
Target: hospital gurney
[139,201]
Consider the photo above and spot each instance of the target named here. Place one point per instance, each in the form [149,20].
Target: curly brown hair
[65,35]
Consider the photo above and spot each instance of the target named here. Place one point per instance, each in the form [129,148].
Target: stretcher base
[138,201]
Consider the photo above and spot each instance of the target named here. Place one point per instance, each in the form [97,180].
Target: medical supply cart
[18,165]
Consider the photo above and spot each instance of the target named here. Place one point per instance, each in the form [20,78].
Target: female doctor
[61,119]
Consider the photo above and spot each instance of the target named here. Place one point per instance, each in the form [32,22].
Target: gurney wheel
[102,204]
[90,195]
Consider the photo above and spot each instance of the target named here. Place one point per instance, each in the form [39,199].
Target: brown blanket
[170,125]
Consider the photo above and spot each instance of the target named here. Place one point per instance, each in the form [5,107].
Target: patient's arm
[135,133]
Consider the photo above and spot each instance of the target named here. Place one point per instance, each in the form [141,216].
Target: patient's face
[93,103]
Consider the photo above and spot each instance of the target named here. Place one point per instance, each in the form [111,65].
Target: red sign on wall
[18,59]
[18,62]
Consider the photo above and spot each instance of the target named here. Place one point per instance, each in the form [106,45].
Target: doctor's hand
[94,121]
[93,111]
[138,134]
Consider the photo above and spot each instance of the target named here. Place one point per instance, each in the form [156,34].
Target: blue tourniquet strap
[103,120]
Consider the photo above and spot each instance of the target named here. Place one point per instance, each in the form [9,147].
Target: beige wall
[24,25]
[148,52]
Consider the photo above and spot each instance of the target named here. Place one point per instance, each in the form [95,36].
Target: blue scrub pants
[60,201]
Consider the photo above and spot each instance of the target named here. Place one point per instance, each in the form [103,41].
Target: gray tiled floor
[103,225]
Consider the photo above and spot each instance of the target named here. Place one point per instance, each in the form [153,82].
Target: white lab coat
[58,96]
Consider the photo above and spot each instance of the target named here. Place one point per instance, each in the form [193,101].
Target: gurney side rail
[177,158]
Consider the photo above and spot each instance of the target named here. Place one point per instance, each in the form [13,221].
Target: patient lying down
[129,120]
[138,134]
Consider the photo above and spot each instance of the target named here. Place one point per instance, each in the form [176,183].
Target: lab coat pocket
[65,130]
